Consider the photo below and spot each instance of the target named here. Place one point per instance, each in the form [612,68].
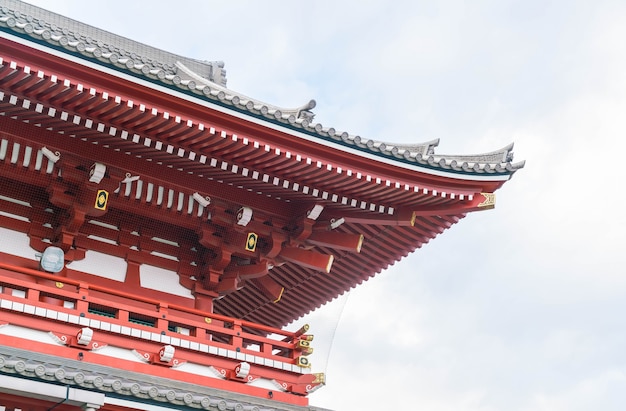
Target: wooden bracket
[241,373]
[155,359]
[306,384]
[73,342]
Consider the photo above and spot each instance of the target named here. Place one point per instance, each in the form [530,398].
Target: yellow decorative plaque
[490,200]
[251,242]
[101,200]
[320,378]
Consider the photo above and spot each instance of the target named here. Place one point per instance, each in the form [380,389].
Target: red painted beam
[307,258]
[337,240]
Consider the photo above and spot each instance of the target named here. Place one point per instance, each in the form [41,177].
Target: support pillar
[204,298]
[58,284]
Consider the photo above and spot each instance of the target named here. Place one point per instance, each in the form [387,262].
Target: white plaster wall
[102,265]
[160,279]
[16,243]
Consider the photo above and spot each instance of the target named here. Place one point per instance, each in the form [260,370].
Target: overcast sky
[518,308]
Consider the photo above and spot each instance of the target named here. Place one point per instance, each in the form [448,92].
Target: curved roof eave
[191,78]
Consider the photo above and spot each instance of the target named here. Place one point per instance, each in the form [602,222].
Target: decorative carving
[165,357]
[83,340]
[490,200]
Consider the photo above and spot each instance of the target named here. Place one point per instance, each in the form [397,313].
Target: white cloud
[602,391]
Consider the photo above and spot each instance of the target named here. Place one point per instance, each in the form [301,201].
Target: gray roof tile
[207,80]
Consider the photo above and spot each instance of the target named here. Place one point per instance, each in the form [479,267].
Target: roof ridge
[241,99]
[206,80]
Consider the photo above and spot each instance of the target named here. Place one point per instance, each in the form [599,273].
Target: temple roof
[118,51]
[207,80]
[173,127]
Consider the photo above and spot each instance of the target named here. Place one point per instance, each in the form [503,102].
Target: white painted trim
[142,334]
[137,182]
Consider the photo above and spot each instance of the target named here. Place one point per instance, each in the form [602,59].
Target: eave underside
[305,289]
[174,158]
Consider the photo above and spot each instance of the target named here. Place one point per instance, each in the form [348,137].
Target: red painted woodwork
[175,147]
[204,328]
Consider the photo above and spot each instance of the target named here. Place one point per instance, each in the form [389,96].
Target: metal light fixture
[52,259]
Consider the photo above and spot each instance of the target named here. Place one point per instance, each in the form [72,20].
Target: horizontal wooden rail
[77,298]
[63,308]
[43,275]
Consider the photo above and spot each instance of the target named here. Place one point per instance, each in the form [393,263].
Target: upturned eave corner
[206,81]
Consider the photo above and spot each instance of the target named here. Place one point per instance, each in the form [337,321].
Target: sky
[517,308]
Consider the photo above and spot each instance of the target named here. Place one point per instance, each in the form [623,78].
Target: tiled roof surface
[133,386]
[206,80]
[231,153]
